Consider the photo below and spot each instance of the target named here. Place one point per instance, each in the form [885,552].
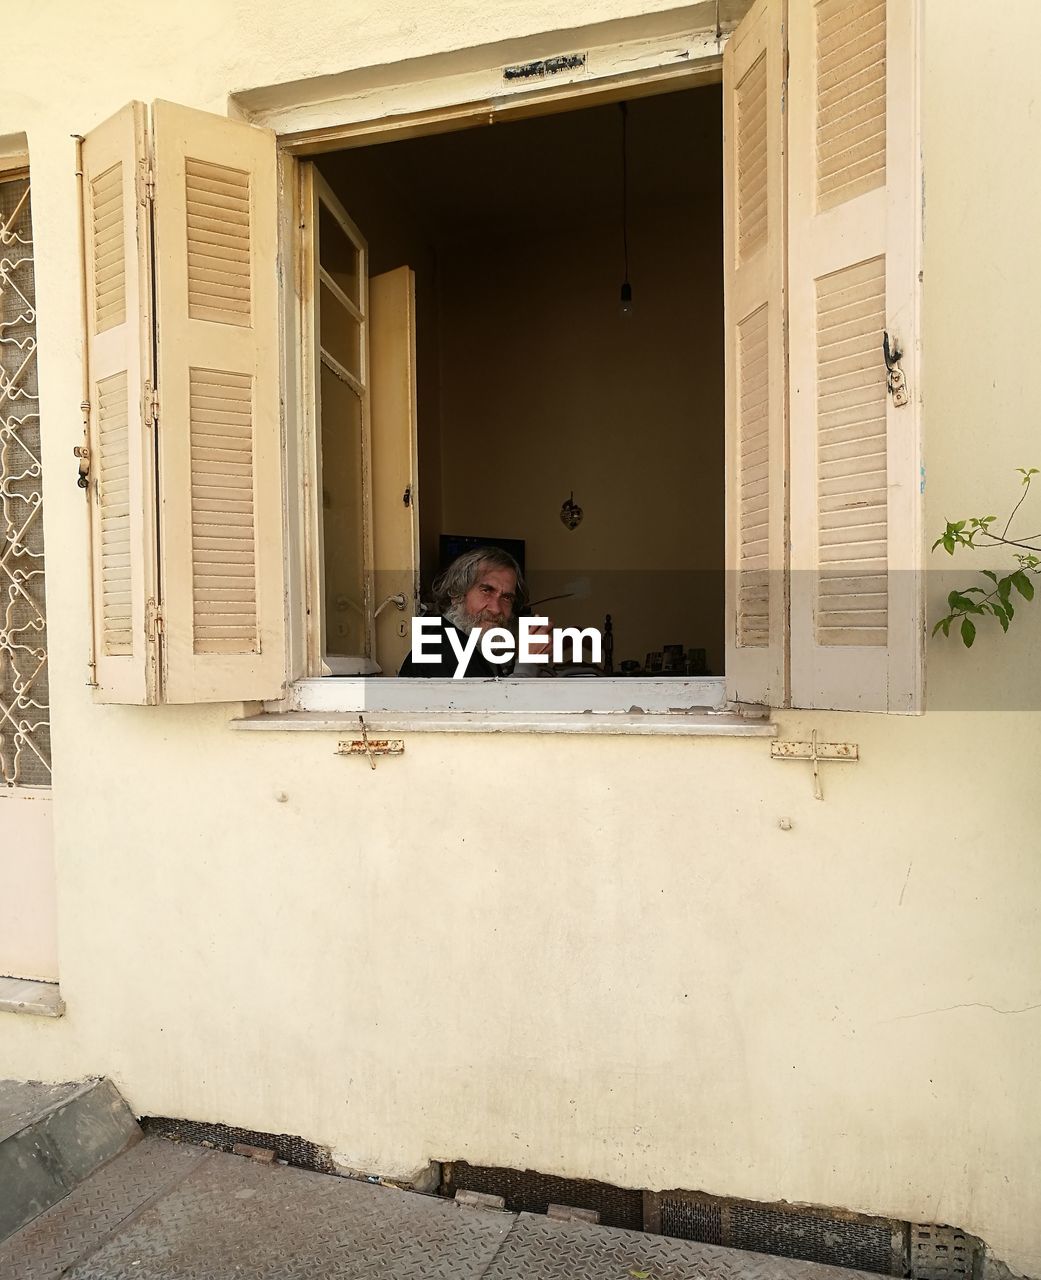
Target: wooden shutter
[122,457]
[220,488]
[754,160]
[392,388]
[854,233]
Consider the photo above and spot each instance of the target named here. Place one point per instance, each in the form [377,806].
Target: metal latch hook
[896,380]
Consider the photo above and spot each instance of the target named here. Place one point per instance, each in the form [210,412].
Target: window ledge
[671,724]
[24,995]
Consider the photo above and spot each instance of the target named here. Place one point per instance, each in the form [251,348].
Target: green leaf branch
[977,534]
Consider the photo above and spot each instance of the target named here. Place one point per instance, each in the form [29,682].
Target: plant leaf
[1023,585]
[968,633]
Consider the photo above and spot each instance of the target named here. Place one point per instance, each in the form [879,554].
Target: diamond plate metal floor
[167,1212]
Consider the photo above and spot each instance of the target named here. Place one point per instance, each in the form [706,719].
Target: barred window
[25,747]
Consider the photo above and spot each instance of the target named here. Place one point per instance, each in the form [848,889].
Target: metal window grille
[25,745]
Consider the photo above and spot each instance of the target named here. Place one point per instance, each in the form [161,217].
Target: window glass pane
[345,631]
[338,254]
[340,332]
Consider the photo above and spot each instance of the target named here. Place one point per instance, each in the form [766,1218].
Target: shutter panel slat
[118,345]
[220,438]
[753,69]
[113,478]
[218,207]
[753,426]
[850,126]
[854,231]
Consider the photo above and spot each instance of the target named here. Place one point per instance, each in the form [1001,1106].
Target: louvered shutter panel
[753,128]
[216,237]
[122,457]
[857,635]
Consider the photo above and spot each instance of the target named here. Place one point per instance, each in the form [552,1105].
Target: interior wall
[532,383]
[547,389]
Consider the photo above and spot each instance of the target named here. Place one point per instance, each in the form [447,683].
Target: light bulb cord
[625,188]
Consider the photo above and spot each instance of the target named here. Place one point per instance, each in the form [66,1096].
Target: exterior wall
[641,978]
[28,937]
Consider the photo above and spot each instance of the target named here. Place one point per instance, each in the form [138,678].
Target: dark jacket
[445,666]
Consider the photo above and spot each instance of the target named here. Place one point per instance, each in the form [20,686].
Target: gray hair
[464,571]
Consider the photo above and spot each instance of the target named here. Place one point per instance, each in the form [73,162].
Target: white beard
[457,615]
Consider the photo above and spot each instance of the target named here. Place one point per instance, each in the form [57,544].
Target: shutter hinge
[153,620]
[150,397]
[784,80]
[150,185]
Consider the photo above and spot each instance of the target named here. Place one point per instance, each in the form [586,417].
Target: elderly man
[479,590]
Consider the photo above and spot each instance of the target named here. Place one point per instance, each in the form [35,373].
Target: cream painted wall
[641,977]
[28,924]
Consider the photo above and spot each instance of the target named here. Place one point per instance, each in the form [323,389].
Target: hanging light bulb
[627,289]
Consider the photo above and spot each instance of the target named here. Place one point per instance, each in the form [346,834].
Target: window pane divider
[350,307]
[334,365]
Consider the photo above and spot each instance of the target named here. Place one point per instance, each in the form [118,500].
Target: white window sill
[382,723]
[23,995]
[350,695]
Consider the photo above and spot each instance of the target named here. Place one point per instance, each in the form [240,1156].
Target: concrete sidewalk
[162,1211]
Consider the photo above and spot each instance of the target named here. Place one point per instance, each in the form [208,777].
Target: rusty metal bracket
[816,752]
[371,747]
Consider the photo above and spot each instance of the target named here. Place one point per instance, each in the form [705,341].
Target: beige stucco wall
[641,977]
[28,914]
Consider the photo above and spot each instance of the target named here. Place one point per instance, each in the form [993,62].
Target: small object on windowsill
[629,667]
[672,659]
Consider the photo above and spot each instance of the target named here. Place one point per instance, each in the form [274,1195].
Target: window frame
[419,107]
[313,191]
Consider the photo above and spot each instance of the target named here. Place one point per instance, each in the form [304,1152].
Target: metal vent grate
[692,1220]
[530,1192]
[943,1253]
[784,1231]
[222,1137]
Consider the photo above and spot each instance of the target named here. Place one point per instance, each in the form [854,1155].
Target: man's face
[490,601]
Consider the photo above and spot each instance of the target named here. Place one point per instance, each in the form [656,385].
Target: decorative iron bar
[25,736]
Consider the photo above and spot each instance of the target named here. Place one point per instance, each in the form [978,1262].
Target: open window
[500,374]
[749,478]
[688,316]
